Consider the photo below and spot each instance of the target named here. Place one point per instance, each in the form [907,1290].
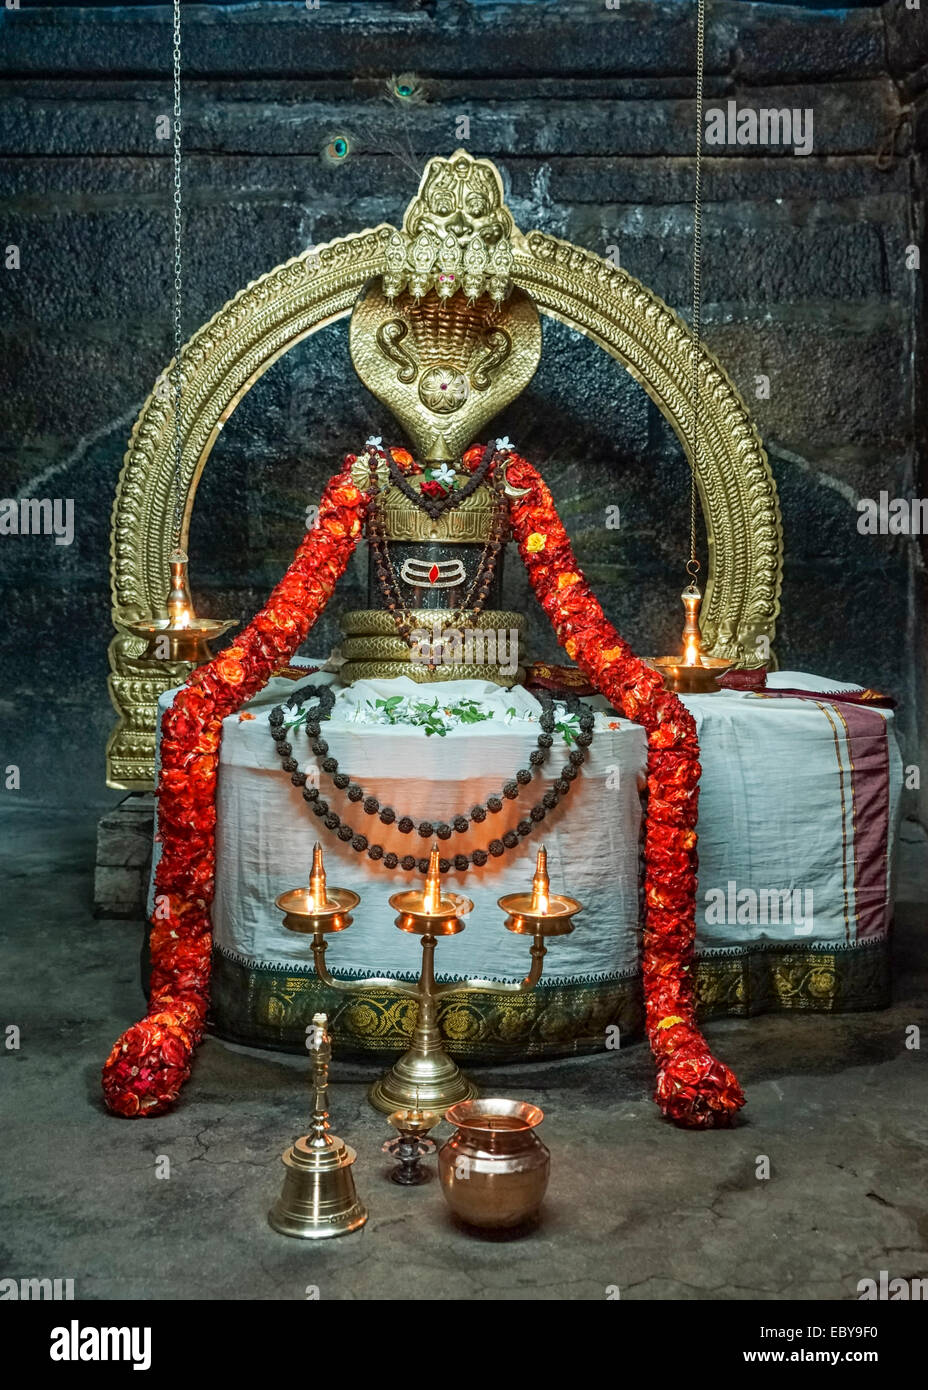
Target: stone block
[906,41]
[757,180]
[848,117]
[797,40]
[374,188]
[118,892]
[124,835]
[813,633]
[838,377]
[504,39]
[124,848]
[67,388]
[755,254]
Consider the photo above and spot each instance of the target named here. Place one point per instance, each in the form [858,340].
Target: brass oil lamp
[425,1075]
[540,913]
[425,1068]
[692,672]
[411,1144]
[182,636]
[318,908]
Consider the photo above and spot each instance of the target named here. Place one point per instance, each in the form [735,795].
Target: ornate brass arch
[229,353]
[221,362]
[736,487]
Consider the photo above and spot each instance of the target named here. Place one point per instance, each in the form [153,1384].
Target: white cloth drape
[784,809]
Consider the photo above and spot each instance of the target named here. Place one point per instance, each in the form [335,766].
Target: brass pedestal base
[318,1197]
[430,1081]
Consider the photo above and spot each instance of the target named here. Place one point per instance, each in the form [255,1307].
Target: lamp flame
[179,602]
[541,886]
[318,892]
[431,901]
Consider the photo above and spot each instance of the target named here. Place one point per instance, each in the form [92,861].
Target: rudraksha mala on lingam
[427,829]
[150,1062]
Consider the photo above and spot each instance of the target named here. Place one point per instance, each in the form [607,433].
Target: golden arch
[227,355]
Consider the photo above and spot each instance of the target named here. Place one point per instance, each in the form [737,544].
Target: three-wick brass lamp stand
[425,1072]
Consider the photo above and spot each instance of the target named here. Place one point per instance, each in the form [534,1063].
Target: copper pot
[494,1168]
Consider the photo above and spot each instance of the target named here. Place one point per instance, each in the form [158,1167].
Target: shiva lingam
[411,1145]
[318,1197]
[181,636]
[692,673]
[425,1070]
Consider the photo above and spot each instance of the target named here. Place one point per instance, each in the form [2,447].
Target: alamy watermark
[469,646]
[892,1290]
[753,907]
[38,516]
[892,516]
[36,1290]
[786,126]
[77,1343]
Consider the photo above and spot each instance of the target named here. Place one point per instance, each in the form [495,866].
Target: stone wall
[589,113]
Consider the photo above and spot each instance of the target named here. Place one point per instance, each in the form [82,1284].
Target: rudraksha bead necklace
[434,507]
[428,829]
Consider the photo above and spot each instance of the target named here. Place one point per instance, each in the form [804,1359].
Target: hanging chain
[178,290]
[693,564]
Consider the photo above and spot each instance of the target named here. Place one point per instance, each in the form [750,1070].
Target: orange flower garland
[151,1061]
[693,1088]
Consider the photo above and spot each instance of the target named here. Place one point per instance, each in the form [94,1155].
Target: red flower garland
[151,1061]
[693,1088]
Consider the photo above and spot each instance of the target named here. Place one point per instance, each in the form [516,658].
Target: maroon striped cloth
[755,683]
[871,698]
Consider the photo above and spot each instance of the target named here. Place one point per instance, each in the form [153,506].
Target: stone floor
[837,1104]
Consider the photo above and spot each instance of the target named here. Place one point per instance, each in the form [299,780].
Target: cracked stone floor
[837,1104]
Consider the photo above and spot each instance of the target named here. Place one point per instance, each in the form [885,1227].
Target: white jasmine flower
[443,475]
[504,443]
[375,442]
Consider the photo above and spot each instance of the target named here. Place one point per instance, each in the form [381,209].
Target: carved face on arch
[462,196]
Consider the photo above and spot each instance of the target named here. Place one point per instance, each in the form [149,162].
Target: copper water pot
[494,1168]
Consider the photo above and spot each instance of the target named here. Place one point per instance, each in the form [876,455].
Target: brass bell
[318,1198]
